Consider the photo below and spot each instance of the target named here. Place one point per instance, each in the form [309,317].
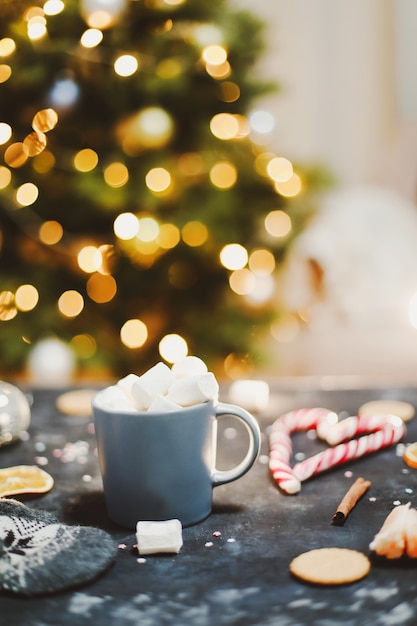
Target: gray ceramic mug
[158,466]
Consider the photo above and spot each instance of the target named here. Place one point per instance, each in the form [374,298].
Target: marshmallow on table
[154,381]
[194,389]
[188,366]
[154,537]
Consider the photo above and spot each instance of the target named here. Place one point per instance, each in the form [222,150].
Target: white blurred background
[349,102]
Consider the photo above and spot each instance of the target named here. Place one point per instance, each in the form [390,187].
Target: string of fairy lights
[142,237]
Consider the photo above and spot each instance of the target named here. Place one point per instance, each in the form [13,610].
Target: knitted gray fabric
[39,555]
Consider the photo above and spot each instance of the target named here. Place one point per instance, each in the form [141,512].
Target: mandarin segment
[410,455]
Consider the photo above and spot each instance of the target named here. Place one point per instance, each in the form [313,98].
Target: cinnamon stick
[349,500]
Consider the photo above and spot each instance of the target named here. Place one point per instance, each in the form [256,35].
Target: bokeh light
[126,65]
[169,236]
[173,348]
[262,122]
[214,54]
[134,333]
[37,27]
[34,143]
[148,229]
[262,262]
[5,132]
[278,223]
[84,345]
[223,175]
[7,46]
[89,259]
[44,162]
[242,281]
[27,194]
[280,169]
[224,126]
[53,7]
[289,188]
[45,120]
[64,93]
[228,91]
[15,155]
[158,179]
[5,177]
[85,160]
[116,174]
[5,72]
[219,72]
[101,288]
[70,303]
[50,232]
[234,256]
[91,38]
[194,233]
[8,310]
[26,297]
[126,226]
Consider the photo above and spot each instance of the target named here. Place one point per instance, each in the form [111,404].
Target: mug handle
[220,477]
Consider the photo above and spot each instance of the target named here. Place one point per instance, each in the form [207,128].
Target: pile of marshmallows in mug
[162,388]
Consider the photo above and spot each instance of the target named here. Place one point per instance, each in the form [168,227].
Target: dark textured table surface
[242,576]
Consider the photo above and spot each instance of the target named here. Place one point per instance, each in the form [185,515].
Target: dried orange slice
[24,479]
[410,455]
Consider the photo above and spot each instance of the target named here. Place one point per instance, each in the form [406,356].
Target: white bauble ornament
[51,363]
[14,413]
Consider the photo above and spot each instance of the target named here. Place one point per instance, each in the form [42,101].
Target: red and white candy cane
[281,445]
[384,430]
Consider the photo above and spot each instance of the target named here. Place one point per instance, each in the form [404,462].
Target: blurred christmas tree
[139,207]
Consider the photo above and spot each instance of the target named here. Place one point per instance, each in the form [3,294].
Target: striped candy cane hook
[383,431]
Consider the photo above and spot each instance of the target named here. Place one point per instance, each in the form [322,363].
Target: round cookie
[404,410]
[330,566]
[77,402]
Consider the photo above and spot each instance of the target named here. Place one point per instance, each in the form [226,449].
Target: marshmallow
[194,389]
[188,366]
[154,537]
[126,384]
[114,399]
[162,404]
[154,381]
